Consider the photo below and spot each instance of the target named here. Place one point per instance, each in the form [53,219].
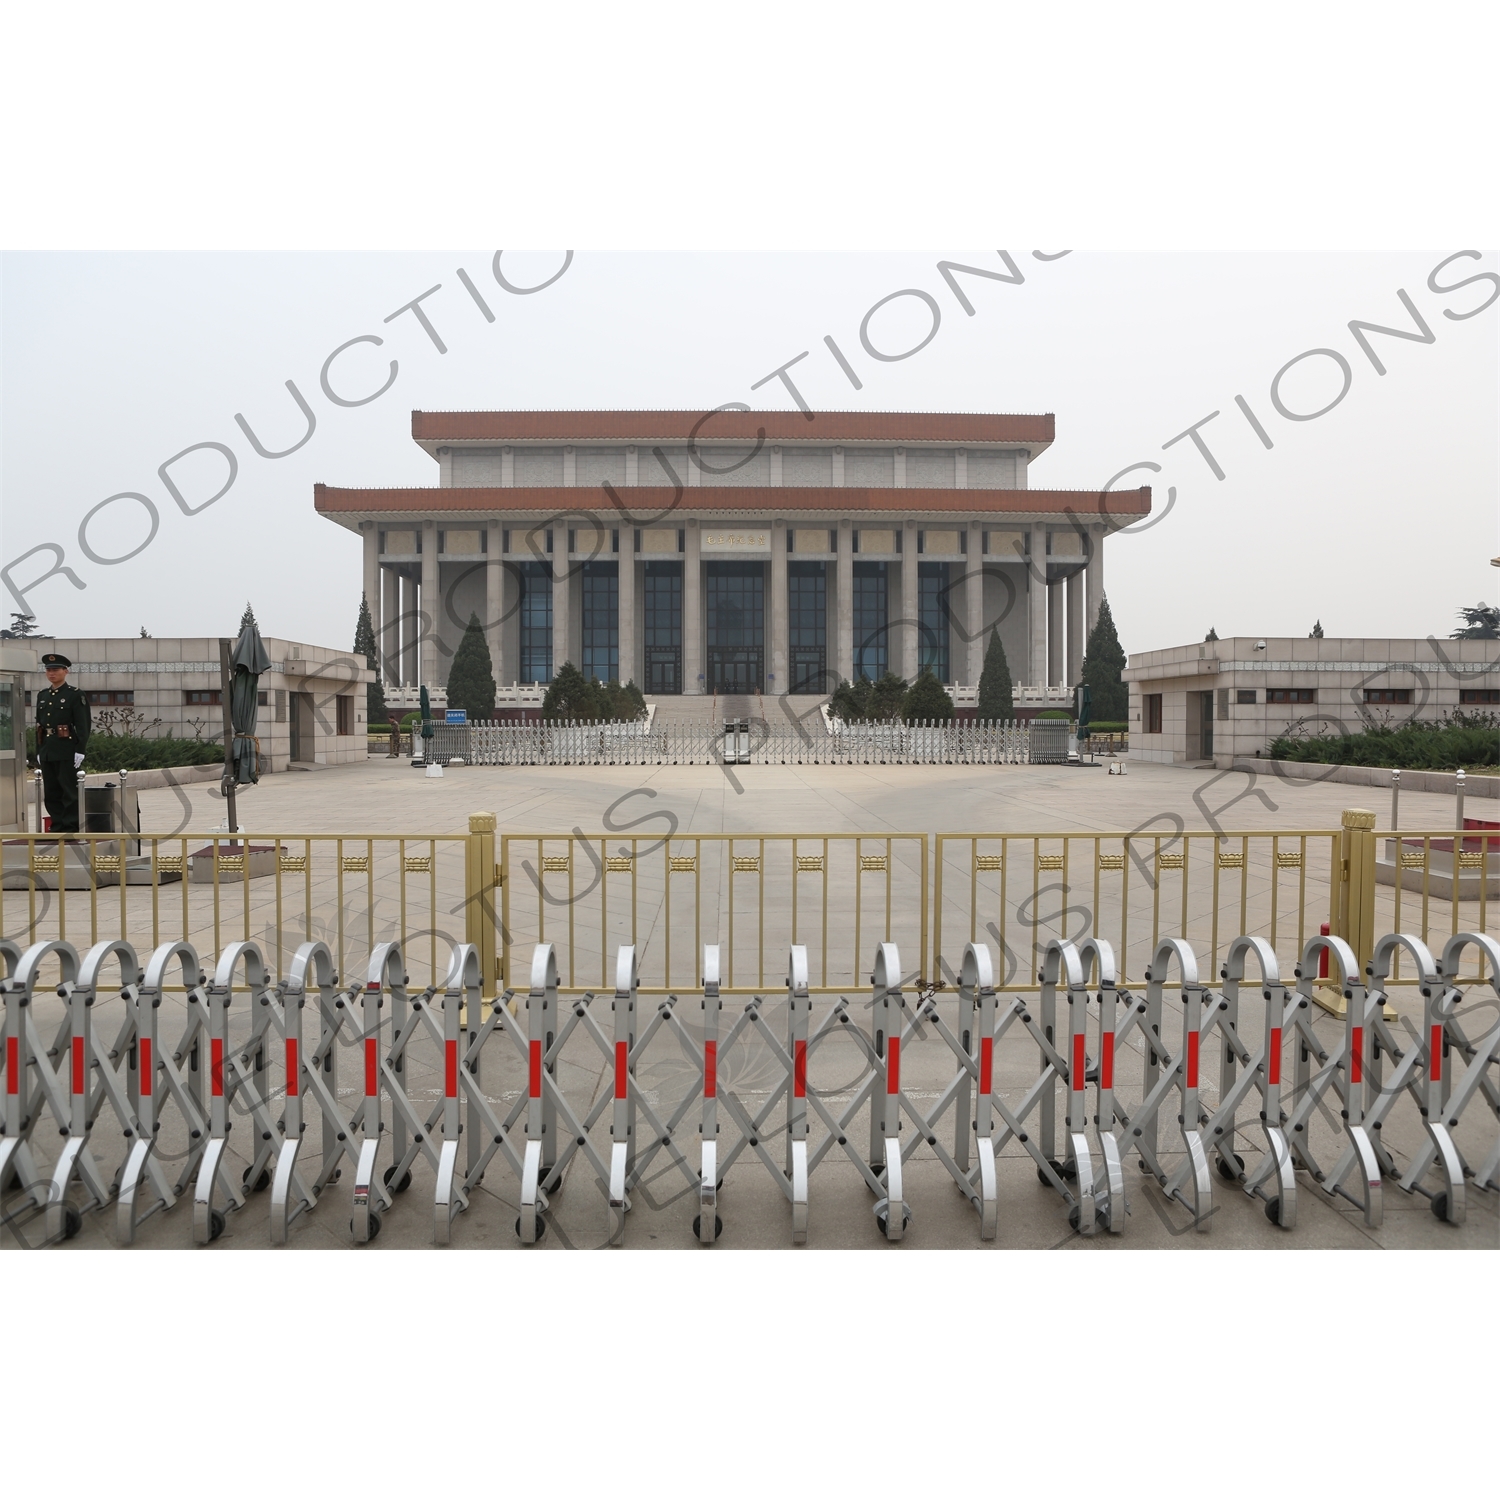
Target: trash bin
[111,809]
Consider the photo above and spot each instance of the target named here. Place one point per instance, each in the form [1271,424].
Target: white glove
[77,759]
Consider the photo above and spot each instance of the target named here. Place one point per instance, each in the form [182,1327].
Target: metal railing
[755,894]
[353,1093]
[566,743]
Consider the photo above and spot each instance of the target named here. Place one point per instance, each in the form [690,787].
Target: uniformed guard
[63,722]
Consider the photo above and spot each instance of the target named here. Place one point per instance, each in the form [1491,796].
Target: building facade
[312,700]
[738,552]
[1225,701]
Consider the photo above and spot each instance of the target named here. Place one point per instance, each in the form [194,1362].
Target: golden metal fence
[754,894]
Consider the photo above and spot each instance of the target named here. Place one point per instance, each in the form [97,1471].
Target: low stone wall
[1373,776]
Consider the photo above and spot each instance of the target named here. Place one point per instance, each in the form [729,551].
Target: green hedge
[1108,726]
[1444,746]
[128,752]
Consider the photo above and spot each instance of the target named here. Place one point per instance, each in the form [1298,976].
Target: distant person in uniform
[63,722]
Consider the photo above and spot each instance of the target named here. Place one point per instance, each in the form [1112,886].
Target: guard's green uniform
[63,723]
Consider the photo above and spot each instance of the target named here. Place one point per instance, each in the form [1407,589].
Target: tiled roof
[680,426]
[647,500]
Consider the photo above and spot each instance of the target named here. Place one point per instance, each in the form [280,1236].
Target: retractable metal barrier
[1067,1079]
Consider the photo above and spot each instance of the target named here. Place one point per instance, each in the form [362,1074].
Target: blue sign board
[456,716]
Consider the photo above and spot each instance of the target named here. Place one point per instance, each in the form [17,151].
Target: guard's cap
[55,659]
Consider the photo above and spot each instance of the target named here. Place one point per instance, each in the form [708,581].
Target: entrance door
[663,670]
[734,670]
[736,627]
[1206,724]
[302,726]
[807,670]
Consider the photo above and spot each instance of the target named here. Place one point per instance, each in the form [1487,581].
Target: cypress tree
[471,678]
[888,696]
[248,618]
[1212,635]
[364,646]
[996,700]
[571,696]
[927,700]
[1109,697]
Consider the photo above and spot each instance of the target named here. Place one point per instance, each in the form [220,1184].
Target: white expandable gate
[1118,1075]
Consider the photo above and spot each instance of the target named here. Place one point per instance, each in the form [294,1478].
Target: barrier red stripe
[1435,1055]
[799,1071]
[1107,1060]
[1357,1055]
[986,1063]
[216,1067]
[534,1085]
[710,1070]
[1192,1060]
[372,1067]
[450,1070]
[12,1065]
[1273,1062]
[1079,1064]
[77,1064]
[292,1078]
[893,1066]
[145,1067]
[622,1070]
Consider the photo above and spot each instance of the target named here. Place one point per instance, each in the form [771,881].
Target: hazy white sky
[1379,517]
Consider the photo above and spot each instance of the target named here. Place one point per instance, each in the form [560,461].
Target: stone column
[430,607]
[1094,576]
[563,584]
[1075,628]
[780,679]
[408,586]
[371,539]
[844,604]
[1036,607]
[910,606]
[388,627]
[630,667]
[693,655]
[974,612]
[1056,639]
[494,605]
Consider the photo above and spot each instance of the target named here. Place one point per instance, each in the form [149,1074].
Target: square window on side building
[1244,695]
[1479,695]
[1387,695]
[202,698]
[1291,695]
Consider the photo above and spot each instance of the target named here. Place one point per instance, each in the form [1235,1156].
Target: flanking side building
[738,552]
[1225,701]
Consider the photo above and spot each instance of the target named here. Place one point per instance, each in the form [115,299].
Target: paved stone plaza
[390,797]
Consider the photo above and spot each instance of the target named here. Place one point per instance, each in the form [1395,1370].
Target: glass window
[1479,695]
[870,647]
[7,721]
[1291,695]
[807,626]
[932,617]
[663,618]
[601,620]
[736,626]
[112,697]
[536,622]
[344,713]
[1151,705]
[202,698]
[1387,695]
[1244,695]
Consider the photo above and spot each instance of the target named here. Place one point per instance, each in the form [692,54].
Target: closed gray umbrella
[241,662]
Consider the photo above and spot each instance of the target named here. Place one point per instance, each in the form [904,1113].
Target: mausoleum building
[769,551]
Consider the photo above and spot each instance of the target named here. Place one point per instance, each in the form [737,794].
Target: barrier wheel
[260,1184]
[698,1225]
[541,1228]
[72,1221]
[397,1187]
[1073,1217]
[374,1227]
[883,1220]
[215,1224]
[1273,1210]
[1064,1169]
[1439,1206]
[1228,1173]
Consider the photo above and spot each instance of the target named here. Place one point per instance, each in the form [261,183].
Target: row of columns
[1060,615]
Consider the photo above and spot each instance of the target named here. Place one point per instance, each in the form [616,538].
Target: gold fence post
[1353,914]
[480,917]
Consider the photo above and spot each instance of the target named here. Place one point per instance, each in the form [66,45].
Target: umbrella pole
[224,680]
